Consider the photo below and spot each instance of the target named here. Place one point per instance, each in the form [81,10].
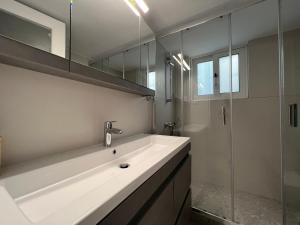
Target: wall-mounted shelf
[17,54]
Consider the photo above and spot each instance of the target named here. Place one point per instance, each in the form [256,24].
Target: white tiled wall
[42,114]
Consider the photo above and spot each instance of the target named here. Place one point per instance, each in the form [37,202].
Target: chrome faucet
[108,131]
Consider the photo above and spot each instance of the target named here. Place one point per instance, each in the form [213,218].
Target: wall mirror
[107,36]
[40,24]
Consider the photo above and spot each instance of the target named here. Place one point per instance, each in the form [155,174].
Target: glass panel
[225,76]
[205,78]
[168,84]
[206,117]
[255,116]
[40,24]
[291,109]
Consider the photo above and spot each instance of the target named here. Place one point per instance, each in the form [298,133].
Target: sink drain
[124,165]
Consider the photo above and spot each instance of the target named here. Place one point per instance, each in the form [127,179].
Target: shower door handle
[293,115]
[224,115]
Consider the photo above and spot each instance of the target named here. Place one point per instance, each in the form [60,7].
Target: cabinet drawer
[182,182]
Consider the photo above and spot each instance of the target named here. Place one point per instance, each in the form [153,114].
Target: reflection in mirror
[148,74]
[101,38]
[290,20]
[101,27]
[132,65]
[255,109]
[40,24]
[113,65]
[152,77]
[139,65]
[116,65]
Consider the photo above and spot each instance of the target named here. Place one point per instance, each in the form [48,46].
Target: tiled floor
[250,209]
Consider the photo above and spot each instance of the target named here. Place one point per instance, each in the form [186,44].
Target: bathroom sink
[74,189]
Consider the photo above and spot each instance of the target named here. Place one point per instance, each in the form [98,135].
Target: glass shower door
[207,114]
[256,116]
[290,20]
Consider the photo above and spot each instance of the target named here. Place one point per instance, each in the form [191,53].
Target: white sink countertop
[84,185]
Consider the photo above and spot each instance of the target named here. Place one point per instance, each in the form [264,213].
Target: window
[205,78]
[211,76]
[225,76]
[151,81]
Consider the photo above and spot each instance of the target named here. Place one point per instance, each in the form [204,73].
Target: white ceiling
[164,15]
[247,24]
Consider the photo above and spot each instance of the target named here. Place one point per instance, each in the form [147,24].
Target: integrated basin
[88,182]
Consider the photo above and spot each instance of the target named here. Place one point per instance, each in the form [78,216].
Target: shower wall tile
[263,67]
[256,144]
[42,114]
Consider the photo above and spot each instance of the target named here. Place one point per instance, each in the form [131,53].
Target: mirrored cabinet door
[40,24]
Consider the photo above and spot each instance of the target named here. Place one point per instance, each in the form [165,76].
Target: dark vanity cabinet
[171,201]
[164,199]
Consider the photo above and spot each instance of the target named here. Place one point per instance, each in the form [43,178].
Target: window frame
[243,75]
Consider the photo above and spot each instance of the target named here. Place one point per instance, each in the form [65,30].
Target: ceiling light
[143,6]
[184,62]
[131,5]
[177,60]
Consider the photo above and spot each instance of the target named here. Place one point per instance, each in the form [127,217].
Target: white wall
[256,124]
[42,114]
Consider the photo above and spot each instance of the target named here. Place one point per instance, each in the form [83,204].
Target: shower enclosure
[235,84]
